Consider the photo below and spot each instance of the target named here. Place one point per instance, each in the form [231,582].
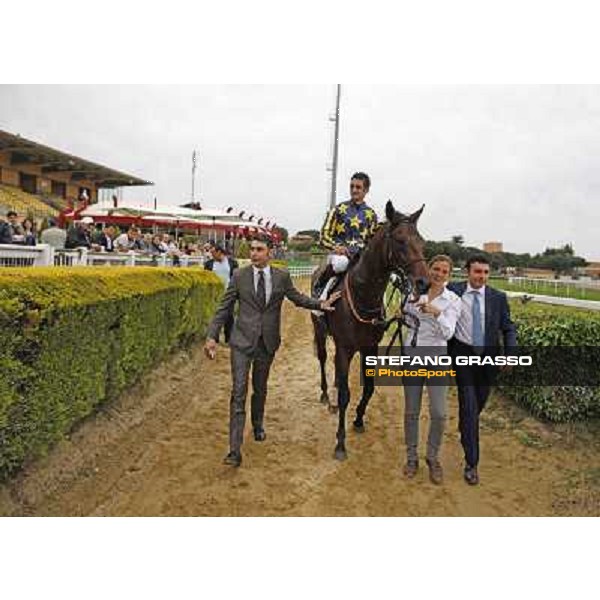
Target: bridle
[400,283]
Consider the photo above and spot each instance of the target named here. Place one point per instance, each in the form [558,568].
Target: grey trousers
[412,412]
[260,361]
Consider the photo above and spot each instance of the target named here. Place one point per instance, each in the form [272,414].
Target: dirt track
[158,451]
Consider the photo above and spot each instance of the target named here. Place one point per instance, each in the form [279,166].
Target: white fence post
[45,257]
[83,256]
[131,259]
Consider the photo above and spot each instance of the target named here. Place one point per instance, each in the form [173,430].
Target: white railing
[555,286]
[44,255]
[13,255]
[557,283]
[302,271]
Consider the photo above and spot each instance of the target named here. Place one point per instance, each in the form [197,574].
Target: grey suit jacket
[252,321]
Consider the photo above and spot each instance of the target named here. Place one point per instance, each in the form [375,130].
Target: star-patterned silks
[340,228]
[348,225]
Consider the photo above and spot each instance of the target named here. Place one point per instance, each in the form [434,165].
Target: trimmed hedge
[543,325]
[72,338]
[279,264]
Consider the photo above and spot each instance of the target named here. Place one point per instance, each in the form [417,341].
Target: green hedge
[73,338]
[543,325]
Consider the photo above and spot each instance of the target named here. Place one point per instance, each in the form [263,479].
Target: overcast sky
[517,164]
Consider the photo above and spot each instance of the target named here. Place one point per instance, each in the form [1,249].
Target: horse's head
[404,246]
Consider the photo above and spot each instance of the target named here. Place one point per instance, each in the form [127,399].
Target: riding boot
[322,280]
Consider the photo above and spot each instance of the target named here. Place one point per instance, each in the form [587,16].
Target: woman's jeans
[413,391]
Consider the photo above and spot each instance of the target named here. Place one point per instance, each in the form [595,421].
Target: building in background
[42,181]
[492,247]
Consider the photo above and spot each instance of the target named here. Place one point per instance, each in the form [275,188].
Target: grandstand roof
[185,217]
[27,152]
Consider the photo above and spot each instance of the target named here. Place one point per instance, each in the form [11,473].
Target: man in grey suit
[260,290]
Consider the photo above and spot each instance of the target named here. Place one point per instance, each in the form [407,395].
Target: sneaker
[410,468]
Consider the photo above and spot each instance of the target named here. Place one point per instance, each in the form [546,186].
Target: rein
[401,284]
[374,321]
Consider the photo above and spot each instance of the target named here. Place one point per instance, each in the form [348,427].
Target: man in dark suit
[484,320]
[105,238]
[260,290]
[79,235]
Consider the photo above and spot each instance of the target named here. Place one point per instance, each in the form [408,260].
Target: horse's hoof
[332,408]
[324,398]
[340,454]
[358,427]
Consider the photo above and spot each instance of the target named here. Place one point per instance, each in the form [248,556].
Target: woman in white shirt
[437,311]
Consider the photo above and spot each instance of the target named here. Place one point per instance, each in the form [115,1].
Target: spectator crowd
[108,238]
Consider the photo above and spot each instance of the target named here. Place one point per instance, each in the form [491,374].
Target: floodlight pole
[332,198]
[193,173]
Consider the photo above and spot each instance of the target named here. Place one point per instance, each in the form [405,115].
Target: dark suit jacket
[106,242]
[499,329]
[77,237]
[252,321]
[5,233]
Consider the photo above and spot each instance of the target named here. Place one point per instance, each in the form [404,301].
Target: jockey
[345,232]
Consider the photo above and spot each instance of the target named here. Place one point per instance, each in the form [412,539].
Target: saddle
[327,280]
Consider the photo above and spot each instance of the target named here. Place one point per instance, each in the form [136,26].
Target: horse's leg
[320,328]
[342,366]
[368,389]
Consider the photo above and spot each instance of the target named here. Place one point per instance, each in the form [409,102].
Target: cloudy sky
[518,164]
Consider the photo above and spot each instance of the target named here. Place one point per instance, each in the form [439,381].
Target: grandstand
[40,181]
[13,198]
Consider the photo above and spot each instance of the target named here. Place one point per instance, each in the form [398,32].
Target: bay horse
[357,324]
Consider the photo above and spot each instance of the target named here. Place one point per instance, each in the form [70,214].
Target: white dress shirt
[268,280]
[464,325]
[435,331]
[222,269]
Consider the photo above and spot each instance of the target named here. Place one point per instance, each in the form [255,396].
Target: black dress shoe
[233,459]
[259,434]
[471,475]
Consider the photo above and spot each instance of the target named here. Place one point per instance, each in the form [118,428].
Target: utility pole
[336,140]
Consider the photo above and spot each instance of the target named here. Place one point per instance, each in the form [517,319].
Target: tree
[314,234]
[566,250]
[243,250]
[283,233]
[459,240]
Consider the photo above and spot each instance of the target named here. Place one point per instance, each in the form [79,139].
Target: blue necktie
[477,329]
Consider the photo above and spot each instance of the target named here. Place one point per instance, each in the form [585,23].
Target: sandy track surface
[159,450]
